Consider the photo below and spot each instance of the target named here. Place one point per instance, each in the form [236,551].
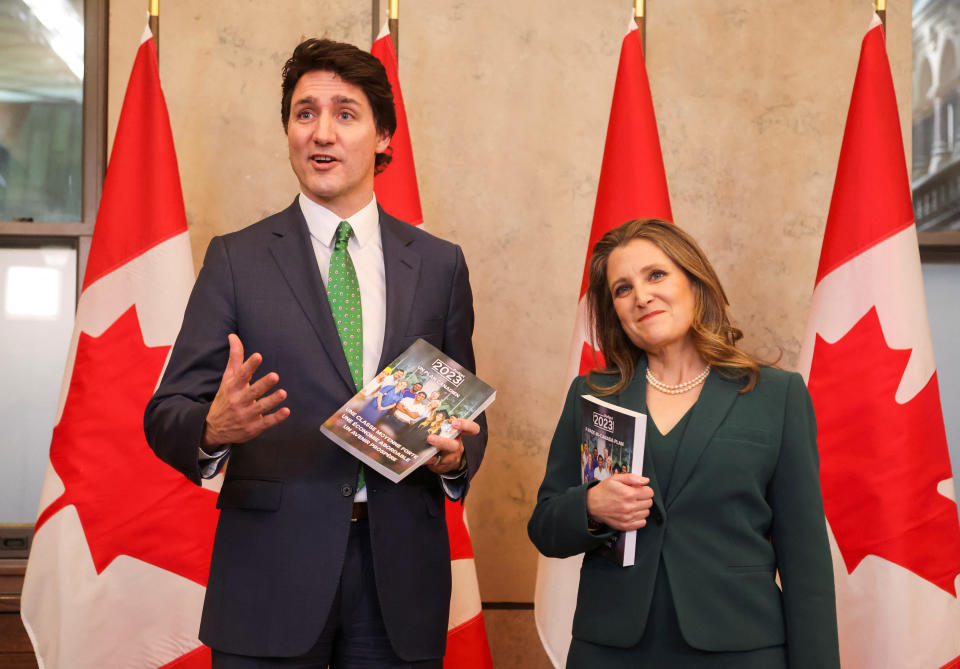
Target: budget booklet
[612,442]
[386,424]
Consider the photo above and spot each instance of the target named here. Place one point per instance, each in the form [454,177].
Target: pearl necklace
[677,389]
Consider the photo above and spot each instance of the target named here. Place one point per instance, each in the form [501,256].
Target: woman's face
[652,296]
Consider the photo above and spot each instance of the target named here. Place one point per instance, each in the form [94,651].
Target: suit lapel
[293,252]
[715,401]
[401,269]
[634,396]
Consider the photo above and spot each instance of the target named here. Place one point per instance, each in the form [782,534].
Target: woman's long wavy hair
[713,334]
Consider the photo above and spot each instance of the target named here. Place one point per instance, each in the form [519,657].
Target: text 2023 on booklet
[612,442]
[420,393]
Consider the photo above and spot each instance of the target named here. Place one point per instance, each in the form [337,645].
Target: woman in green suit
[729,495]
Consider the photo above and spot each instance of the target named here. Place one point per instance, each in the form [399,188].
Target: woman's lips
[651,315]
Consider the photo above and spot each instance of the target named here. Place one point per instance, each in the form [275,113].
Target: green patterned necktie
[343,291]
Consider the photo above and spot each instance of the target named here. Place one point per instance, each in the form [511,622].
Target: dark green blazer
[744,503]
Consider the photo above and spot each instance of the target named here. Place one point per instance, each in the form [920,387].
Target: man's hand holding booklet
[423,392]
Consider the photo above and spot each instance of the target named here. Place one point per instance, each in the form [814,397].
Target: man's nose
[323,130]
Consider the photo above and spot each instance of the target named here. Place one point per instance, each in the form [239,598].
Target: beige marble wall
[508,104]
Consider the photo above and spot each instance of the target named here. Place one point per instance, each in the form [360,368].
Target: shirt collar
[323,223]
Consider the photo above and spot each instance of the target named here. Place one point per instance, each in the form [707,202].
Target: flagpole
[375,21]
[881,6]
[640,16]
[154,24]
[393,21]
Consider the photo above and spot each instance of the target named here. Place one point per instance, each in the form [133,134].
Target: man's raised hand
[241,410]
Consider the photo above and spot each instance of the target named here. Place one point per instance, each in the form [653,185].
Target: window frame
[79,234]
[94,145]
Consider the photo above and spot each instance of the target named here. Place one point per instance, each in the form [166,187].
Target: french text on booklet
[612,441]
[422,392]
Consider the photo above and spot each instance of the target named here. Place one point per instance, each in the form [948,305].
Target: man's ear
[383,141]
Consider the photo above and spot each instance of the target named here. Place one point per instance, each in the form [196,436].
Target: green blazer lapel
[713,405]
[634,397]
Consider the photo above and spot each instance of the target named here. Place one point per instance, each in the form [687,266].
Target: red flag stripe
[396,187]
[460,544]
[858,218]
[632,180]
[132,220]
[467,646]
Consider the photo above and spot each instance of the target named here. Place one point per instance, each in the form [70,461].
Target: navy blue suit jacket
[287,496]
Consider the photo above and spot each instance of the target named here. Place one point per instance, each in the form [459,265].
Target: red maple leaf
[129,502]
[880,461]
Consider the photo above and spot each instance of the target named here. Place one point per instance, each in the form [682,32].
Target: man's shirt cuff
[211,463]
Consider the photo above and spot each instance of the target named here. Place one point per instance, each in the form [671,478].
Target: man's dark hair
[354,66]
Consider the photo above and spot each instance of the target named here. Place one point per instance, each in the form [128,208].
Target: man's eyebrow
[337,99]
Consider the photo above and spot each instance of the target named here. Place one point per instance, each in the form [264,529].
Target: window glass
[41,117]
[936,105]
[37,304]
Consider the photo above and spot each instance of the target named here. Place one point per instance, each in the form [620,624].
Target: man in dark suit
[316,558]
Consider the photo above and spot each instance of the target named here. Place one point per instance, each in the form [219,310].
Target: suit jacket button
[346,490]
[658,517]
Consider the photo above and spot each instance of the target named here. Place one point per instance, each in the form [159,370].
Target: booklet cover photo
[386,424]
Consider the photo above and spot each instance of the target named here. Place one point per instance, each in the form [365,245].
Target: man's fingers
[235,359]
[262,385]
[271,401]
[466,426]
[272,419]
[444,444]
[249,366]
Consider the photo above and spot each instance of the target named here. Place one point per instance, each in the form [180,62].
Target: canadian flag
[396,187]
[118,568]
[632,185]
[868,360]
[397,192]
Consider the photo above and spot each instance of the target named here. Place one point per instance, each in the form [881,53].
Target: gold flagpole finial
[881,5]
[393,23]
[640,17]
[153,22]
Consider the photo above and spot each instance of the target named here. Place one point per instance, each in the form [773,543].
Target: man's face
[333,142]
